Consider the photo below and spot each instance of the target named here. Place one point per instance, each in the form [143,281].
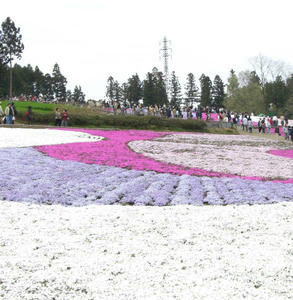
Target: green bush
[119,121]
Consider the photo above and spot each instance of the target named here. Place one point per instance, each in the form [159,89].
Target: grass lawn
[22,106]
[42,108]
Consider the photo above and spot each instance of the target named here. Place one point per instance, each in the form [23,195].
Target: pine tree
[78,95]
[3,75]
[29,80]
[176,96]
[134,91]
[110,89]
[276,92]
[11,46]
[233,83]
[59,84]
[191,90]
[69,96]
[47,87]
[254,78]
[117,92]
[218,93]
[38,81]
[206,91]
[124,93]
[149,90]
[161,96]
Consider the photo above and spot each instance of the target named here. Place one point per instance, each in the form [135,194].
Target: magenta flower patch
[284,153]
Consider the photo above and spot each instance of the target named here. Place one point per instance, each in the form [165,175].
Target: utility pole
[165,53]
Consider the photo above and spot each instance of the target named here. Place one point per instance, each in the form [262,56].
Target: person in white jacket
[244,123]
[268,125]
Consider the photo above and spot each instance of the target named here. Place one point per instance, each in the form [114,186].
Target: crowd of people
[188,112]
[30,98]
[264,124]
[246,121]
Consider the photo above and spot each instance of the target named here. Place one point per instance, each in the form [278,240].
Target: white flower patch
[124,252]
[23,137]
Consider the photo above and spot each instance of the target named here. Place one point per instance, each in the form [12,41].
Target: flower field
[150,168]
[130,214]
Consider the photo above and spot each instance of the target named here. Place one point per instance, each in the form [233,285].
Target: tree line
[25,81]
[153,91]
[266,89]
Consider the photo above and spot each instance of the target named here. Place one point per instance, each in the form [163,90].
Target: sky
[93,39]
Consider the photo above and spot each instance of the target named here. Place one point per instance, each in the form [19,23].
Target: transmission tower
[165,53]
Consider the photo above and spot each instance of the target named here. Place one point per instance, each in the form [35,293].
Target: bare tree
[268,69]
[262,65]
[280,68]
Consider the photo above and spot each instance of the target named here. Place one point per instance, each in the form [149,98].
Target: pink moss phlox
[284,153]
[114,152]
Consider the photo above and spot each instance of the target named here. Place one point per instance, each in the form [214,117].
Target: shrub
[119,121]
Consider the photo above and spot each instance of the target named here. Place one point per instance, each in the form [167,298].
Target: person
[197,114]
[268,125]
[168,112]
[277,130]
[244,123]
[2,116]
[29,115]
[263,125]
[151,110]
[275,121]
[290,132]
[249,124]
[286,132]
[208,116]
[157,113]
[14,112]
[184,113]
[57,117]
[229,117]
[9,114]
[220,118]
[174,112]
[65,118]
[235,121]
[259,125]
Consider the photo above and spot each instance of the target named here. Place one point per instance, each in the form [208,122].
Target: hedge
[119,121]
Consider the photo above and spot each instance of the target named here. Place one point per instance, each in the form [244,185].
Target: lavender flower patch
[30,176]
